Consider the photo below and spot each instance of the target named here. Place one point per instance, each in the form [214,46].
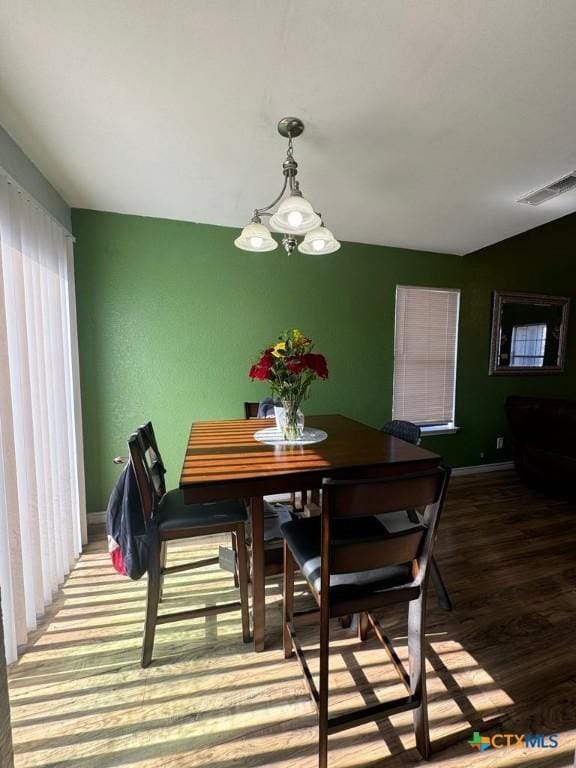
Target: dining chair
[411,433]
[167,519]
[404,430]
[263,409]
[353,561]
[251,410]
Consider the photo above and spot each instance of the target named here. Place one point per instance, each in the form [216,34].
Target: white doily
[273,436]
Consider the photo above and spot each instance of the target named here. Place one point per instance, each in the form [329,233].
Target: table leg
[258,580]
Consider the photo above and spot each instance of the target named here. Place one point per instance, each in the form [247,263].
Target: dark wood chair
[251,410]
[168,518]
[406,430]
[353,561]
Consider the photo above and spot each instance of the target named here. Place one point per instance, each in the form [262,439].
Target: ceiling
[425,119]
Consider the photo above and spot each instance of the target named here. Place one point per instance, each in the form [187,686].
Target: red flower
[258,372]
[316,363]
[295,364]
[321,366]
[261,370]
[290,364]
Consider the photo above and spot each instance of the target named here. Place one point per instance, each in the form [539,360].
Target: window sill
[441,429]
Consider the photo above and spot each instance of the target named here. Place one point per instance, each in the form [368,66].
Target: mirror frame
[517,297]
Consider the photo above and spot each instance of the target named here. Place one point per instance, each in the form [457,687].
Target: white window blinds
[425,344]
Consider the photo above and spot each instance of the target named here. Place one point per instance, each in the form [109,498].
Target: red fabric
[118,562]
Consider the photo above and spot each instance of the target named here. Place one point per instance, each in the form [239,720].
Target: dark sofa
[544,430]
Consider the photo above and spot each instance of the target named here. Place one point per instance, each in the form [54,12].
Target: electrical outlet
[481,454]
[499,443]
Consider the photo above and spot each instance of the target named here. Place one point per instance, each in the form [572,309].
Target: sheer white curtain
[42,510]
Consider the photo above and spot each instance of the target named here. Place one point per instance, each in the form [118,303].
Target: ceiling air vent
[565,184]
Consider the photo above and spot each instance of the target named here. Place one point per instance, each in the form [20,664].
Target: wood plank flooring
[503,661]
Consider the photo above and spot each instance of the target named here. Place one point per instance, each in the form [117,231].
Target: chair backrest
[374,546]
[404,430]
[264,409]
[250,410]
[148,468]
[153,458]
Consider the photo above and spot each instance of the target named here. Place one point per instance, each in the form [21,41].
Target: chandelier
[295,216]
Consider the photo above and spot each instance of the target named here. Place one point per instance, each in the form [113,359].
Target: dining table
[224,460]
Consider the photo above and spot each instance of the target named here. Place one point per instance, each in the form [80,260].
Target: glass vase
[292,420]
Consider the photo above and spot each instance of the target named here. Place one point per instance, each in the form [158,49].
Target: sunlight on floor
[81,700]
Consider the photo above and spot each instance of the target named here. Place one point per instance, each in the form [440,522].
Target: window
[528,344]
[425,345]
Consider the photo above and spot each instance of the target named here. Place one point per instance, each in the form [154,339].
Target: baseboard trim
[498,466]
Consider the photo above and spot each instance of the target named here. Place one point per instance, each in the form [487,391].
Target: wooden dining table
[223,460]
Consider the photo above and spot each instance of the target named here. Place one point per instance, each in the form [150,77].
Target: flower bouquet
[290,366]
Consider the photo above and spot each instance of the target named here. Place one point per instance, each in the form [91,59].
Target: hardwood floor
[503,661]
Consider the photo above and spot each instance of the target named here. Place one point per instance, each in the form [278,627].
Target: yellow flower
[298,338]
[297,335]
[280,347]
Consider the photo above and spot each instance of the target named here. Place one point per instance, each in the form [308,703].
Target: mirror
[528,333]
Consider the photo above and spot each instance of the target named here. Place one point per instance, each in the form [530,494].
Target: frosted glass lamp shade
[295,216]
[319,240]
[255,237]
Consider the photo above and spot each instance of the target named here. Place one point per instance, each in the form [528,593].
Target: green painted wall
[171,315]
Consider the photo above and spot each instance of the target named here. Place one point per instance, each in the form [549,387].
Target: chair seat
[174,514]
[304,539]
